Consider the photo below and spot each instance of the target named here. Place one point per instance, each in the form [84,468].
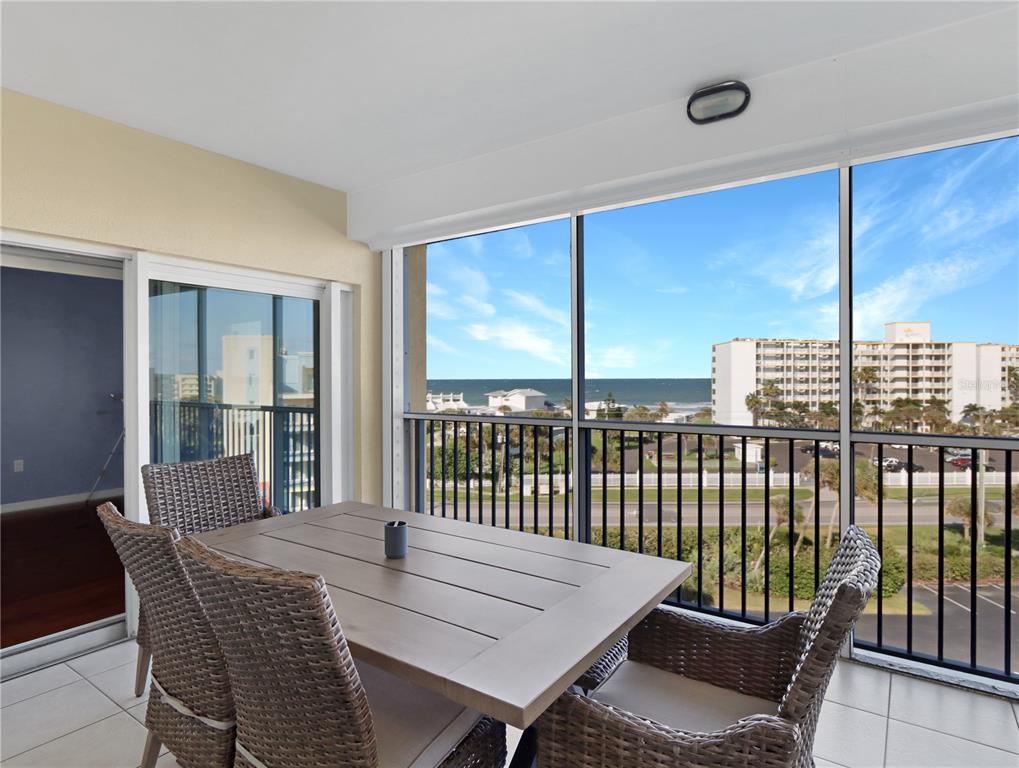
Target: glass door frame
[335,349]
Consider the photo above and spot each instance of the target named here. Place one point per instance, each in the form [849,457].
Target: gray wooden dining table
[498,620]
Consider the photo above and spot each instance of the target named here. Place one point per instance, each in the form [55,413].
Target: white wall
[735,378]
[954,82]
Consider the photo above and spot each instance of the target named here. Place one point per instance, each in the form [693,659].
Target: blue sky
[936,238]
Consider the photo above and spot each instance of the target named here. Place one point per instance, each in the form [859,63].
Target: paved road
[957,617]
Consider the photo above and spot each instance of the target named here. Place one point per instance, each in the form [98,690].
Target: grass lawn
[632,494]
[992,492]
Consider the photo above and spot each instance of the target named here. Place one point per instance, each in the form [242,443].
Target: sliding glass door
[237,372]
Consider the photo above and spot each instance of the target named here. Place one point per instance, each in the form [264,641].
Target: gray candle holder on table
[396,539]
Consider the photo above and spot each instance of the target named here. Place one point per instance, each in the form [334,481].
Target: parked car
[890,463]
[960,461]
[912,467]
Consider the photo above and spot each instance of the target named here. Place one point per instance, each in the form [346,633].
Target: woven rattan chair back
[196,496]
[840,599]
[188,664]
[300,702]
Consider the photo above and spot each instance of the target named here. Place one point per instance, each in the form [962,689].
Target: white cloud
[519,337]
[810,271]
[440,309]
[674,290]
[478,307]
[434,342]
[614,358]
[434,289]
[471,281]
[531,303]
[903,296]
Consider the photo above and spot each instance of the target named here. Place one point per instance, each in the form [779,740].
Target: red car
[960,461]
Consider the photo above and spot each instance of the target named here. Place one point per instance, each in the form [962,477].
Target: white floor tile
[820,762]
[138,712]
[118,684]
[856,685]
[34,683]
[955,711]
[42,718]
[851,737]
[167,761]
[115,742]
[910,746]
[104,659]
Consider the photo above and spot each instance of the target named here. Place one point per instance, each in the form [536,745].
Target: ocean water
[681,394]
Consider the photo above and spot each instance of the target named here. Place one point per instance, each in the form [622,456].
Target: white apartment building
[907,363]
[516,400]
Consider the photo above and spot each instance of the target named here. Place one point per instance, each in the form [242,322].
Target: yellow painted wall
[69,174]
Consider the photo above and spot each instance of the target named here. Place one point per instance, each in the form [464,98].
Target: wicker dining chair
[698,692]
[301,700]
[190,708]
[196,496]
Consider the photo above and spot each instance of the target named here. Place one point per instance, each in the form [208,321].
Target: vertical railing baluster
[640,491]
[534,470]
[792,524]
[880,540]
[622,489]
[743,528]
[767,529]
[604,488]
[941,553]
[659,455]
[1008,564]
[721,523]
[520,474]
[431,466]
[974,526]
[467,471]
[481,473]
[456,470]
[495,471]
[566,483]
[681,450]
[700,520]
[817,514]
[551,483]
[442,447]
[909,537]
[506,473]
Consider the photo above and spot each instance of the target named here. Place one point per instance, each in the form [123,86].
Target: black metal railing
[944,516]
[509,473]
[282,439]
[758,515]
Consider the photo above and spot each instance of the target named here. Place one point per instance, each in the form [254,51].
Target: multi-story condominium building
[907,363]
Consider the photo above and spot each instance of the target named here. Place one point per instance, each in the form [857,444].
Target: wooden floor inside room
[58,570]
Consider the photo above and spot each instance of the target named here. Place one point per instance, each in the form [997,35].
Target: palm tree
[755,404]
[935,414]
[975,415]
[663,410]
[1012,383]
[864,379]
[961,509]
[780,506]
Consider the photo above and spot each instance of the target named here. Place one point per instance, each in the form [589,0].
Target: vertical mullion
[680,450]
[700,520]
[767,529]
[743,528]
[721,523]
[974,468]
[640,491]
[604,489]
[659,455]
[880,540]
[792,523]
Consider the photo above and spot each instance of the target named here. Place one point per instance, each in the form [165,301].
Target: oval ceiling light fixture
[717,102]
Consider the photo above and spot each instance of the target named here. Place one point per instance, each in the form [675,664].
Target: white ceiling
[354,95]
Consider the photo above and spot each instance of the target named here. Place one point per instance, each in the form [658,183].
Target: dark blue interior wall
[61,356]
